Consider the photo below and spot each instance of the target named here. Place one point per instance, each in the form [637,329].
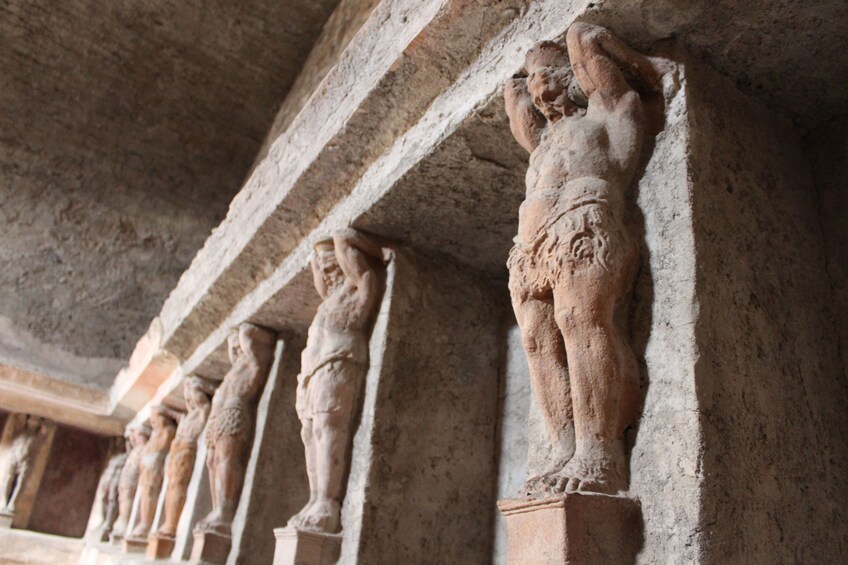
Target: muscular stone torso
[337,332]
[581,160]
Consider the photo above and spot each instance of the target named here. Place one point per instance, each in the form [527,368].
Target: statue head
[196,391]
[138,435]
[550,81]
[325,259]
[159,417]
[33,423]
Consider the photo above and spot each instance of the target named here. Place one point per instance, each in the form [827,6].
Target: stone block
[573,528]
[6,520]
[160,546]
[298,547]
[210,547]
[134,545]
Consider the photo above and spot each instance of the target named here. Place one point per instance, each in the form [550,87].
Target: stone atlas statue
[574,261]
[197,393]
[152,468]
[17,456]
[128,481]
[346,272]
[229,432]
[107,488]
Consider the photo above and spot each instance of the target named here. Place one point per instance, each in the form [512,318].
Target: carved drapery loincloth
[232,421]
[332,387]
[583,237]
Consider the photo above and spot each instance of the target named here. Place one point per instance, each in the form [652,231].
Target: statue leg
[333,407]
[603,375]
[18,478]
[8,486]
[546,359]
[311,450]
[180,467]
[227,481]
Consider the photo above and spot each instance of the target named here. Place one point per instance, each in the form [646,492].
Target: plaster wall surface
[69,483]
[127,128]
[771,386]
[427,491]
[827,150]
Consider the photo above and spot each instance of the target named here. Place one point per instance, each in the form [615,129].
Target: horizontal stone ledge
[451,185]
[405,55]
[59,401]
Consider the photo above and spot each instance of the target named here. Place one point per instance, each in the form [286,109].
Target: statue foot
[595,473]
[320,516]
[216,524]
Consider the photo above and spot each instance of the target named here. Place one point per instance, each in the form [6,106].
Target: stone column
[421,474]
[24,449]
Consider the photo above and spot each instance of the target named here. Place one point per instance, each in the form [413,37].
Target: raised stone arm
[526,122]
[601,62]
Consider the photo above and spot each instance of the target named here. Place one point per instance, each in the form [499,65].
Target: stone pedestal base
[298,547]
[6,520]
[573,528]
[160,546]
[210,548]
[134,545]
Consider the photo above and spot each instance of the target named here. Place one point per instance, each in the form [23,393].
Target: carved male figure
[152,468]
[197,393]
[333,367]
[229,433]
[128,481]
[573,262]
[20,446]
[107,488]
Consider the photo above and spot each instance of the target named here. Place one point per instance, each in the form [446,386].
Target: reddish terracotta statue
[229,433]
[128,481]
[197,393]
[573,263]
[17,454]
[107,488]
[333,368]
[152,475]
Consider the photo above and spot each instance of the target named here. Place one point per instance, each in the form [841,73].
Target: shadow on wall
[64,501]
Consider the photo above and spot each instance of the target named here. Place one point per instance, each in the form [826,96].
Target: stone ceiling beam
[59,401]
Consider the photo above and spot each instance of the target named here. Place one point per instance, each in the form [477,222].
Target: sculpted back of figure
[152,474]
[197,393]
[21,442]
[229,432]
[573,262]
[128,480]
[333,366]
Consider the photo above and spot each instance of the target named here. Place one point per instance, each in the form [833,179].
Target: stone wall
[422,480]
[827,149]
[771,386]
[66,495]
[127,129]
